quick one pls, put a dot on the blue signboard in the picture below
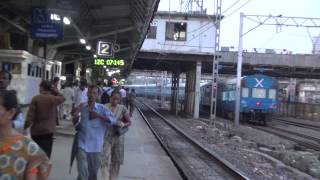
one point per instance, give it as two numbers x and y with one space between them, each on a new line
46 25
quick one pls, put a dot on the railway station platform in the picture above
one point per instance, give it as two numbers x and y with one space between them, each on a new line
144 157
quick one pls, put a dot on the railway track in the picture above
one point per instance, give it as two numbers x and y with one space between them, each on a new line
194 161
301 139
303 125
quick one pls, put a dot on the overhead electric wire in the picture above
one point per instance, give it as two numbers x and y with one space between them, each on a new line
230 6
238 8
220 20
186 7
210 18
269 40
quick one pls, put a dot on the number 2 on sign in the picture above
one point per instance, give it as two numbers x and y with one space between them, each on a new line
105 48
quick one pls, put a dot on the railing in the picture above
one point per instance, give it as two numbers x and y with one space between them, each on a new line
299 110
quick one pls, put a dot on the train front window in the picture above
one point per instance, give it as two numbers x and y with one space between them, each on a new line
245 92
258 93
272 94
225 96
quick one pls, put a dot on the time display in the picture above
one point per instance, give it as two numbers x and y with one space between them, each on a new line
109 62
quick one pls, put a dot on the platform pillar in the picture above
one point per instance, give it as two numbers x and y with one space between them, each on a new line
192 91
175 92
197 90
292 89
189 92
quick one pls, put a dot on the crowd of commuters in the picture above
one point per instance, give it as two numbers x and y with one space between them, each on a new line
100 114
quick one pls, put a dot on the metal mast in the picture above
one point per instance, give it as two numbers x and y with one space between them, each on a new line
215 64
190 6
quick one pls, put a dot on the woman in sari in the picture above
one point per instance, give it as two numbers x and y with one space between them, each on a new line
20 157
113 150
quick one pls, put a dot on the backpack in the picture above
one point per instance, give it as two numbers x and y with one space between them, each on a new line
105 98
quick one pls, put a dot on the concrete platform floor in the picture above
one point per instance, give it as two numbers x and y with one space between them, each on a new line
144 157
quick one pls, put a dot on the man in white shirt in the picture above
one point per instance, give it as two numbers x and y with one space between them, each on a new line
68 94
123 93
81 94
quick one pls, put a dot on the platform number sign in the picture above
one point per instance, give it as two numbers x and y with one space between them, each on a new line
105 49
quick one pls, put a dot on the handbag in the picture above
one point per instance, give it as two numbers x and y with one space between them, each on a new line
121 131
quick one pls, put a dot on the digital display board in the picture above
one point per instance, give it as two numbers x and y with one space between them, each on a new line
109 62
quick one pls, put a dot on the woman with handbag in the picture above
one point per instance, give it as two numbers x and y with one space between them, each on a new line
113 149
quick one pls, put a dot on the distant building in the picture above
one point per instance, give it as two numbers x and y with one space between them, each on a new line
316 45
181 33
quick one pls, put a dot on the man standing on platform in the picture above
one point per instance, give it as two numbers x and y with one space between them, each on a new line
91 121
42 116
123 93
80 95
67 93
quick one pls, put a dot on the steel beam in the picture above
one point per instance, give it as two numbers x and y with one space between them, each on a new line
284 20
73 24
14 24
77 60
130 28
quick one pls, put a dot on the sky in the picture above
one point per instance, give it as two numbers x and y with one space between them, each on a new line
295 39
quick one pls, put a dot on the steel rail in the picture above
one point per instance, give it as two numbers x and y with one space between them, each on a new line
306 142
307 126
225 165
297 134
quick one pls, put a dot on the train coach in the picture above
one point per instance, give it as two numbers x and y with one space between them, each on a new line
27 71
258 100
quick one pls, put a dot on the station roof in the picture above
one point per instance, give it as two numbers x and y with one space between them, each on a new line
124 22
186 15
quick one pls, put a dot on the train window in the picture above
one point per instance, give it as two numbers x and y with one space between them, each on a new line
232 95
245 92
40 70
258 93
272 94
228 87
33 71
29 69
57 69
14 68
225 96
176 31
37 71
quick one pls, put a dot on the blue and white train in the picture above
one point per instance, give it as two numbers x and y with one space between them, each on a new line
27 71
257 102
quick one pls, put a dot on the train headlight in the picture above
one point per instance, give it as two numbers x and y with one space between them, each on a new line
244 103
